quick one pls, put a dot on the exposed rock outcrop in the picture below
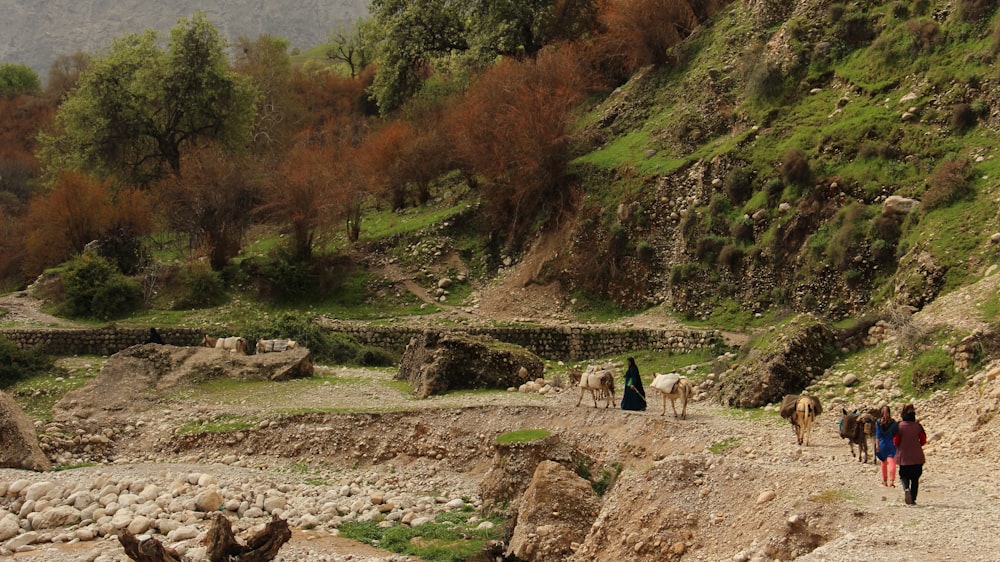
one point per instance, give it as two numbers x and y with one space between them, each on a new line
18 442
784 362
555 514
435 362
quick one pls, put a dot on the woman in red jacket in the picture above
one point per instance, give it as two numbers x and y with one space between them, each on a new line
910 439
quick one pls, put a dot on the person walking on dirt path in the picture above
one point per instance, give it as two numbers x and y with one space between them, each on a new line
885 449
910 440
633 396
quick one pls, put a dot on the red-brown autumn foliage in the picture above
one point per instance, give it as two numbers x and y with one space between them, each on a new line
212 203
636 33
403 157
21 118
77 210
512 130
309 192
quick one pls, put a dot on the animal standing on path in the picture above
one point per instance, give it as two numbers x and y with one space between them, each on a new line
600 382
673 386
801 411
856 426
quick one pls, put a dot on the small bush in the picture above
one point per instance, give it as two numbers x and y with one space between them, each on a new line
774 188
18 364
742 230
835 12
739 185
972 11
730 257
962 117
707 249
203 288
766 81
948 183
94 288
644 251
795 167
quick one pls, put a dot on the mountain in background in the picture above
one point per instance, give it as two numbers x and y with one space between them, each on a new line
35 32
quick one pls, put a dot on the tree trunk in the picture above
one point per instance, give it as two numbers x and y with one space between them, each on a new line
222 544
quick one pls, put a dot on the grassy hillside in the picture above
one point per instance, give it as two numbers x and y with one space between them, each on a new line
751 176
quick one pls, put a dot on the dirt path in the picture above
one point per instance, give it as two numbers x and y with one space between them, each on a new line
24 311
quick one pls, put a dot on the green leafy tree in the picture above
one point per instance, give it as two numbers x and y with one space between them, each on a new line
413 33
17 79
138 107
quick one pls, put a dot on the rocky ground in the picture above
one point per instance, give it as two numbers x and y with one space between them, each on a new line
721 485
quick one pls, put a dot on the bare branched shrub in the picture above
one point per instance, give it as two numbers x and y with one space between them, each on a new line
948 183
909 333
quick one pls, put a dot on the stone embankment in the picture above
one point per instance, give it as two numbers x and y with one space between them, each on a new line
570 343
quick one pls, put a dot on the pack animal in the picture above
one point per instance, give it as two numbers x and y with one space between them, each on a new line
276 345
673 386
601 384
232 344
801 411
856 427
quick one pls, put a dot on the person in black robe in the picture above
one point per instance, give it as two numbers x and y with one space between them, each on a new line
633 395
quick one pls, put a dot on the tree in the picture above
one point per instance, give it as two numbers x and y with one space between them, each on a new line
138 108
636 33
213 202
513 131
307 192
413 33
523 27
265 61
17 79
64 74
352 45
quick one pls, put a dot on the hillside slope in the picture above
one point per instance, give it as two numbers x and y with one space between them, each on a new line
753 174
35 33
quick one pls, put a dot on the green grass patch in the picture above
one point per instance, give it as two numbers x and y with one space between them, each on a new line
833 496
522 436
452 537
931 370
722 446
72 466
37 394
989 310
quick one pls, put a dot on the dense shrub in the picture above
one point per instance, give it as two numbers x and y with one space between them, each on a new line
971 11
742 229
948 183
774 188
739 185
765 81
730 257
203 288
286 277
94 288
17 364
962 117
795 167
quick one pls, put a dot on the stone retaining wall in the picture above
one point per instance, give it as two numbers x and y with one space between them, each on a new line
552 342
98 341
568 343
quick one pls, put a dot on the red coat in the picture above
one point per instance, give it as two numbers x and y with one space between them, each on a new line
909 440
